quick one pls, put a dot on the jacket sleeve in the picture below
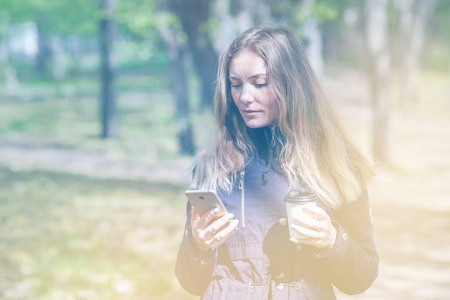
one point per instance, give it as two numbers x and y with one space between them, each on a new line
352 263
194 267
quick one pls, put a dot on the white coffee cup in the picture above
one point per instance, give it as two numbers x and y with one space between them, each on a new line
296 201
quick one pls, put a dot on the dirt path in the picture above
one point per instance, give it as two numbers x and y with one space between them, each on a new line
411 210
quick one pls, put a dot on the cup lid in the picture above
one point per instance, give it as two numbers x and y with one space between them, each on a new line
298 195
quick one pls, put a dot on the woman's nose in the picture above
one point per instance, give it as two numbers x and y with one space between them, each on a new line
246 95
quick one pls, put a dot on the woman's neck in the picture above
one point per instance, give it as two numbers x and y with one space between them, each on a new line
261 138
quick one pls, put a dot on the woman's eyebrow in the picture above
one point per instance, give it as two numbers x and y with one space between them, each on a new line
251 77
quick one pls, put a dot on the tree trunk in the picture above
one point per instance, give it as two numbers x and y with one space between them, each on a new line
448 90
193 15
413 19
59 58
108 96
227 25
244 18
379 71
179 72
177 54
251 12
314 38
43 58
11 81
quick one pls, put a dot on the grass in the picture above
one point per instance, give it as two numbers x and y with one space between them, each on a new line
146 117
74 237
147 125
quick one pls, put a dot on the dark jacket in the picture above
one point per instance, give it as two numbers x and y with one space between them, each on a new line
259 261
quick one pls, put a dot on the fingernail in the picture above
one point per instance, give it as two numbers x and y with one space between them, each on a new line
230 216
295 218
216 210
292 239
294 226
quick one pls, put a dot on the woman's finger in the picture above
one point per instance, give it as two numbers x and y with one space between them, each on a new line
194 215
317 213
224 233
310 220
323 236
310 223
219 223
309 233
210 233
204 220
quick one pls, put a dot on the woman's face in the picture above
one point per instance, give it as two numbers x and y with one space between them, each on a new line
251 92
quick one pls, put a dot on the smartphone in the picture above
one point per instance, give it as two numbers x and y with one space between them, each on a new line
203 201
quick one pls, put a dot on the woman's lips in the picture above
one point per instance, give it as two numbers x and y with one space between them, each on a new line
249 112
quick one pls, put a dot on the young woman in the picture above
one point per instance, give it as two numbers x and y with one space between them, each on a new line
276 133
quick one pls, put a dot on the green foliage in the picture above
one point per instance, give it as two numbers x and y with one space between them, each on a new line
440 23
62 17
138 16
142 18
321 11
296 13
140 21
211 27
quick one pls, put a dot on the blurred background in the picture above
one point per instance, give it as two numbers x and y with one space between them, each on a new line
102 104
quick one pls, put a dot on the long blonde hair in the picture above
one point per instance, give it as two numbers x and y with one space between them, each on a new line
315 150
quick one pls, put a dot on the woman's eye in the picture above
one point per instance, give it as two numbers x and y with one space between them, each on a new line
260 85
235 86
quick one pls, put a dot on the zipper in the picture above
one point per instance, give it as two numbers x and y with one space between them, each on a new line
272 151
242 189
272 140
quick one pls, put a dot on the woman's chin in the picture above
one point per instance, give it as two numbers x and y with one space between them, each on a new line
256 124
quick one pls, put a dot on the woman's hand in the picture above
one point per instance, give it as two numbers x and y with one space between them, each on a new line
315 224
209 231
